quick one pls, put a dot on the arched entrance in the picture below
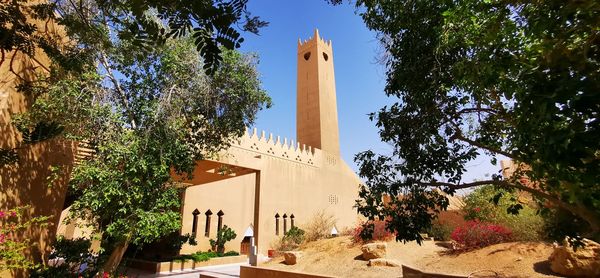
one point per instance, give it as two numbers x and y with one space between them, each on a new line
247 241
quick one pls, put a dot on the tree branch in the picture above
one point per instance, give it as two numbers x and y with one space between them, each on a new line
458 136
118 88
476 110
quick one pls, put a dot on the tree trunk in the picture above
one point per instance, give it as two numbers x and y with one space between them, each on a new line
115 257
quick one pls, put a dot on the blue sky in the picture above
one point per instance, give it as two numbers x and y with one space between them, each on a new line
359 78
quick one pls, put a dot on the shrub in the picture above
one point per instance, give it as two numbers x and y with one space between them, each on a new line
319 226
290 241
527 225
12 243
205 256
224 235
475 234
77 260
162 249
231 253
371 230
295 235
440 230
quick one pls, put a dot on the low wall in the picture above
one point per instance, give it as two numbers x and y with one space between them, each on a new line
258 272
165 267
409 272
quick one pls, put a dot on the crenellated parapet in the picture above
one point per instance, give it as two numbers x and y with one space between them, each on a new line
277 147
316 39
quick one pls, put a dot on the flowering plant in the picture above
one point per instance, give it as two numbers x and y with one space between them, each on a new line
12 245
371 230
476 234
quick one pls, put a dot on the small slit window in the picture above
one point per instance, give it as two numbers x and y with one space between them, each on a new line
220 220
325 56
306 56
292 220
277 224
285 223
208 213
195 222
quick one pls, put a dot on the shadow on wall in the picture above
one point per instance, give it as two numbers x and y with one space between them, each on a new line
26 183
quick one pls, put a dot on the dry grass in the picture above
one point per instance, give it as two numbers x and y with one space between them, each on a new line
319 226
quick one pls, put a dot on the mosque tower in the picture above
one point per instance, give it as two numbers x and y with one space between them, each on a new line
316 111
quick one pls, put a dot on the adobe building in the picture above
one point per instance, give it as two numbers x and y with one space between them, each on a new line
260 187
263 184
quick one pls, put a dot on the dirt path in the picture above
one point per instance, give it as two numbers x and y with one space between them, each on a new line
339 257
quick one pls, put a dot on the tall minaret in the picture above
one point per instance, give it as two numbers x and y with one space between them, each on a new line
316 111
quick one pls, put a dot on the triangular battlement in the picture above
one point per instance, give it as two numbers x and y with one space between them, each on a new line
314 40
279 147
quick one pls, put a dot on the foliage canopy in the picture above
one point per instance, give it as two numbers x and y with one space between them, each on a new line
509 79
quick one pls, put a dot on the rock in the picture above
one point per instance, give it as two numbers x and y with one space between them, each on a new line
585 262
291 257
374 250
519 259
383 262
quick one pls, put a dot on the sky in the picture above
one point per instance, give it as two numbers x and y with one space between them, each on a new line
360 80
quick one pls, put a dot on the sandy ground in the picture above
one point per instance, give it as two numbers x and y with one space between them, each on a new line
339 257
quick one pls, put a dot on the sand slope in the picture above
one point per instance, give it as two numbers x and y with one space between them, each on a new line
339 257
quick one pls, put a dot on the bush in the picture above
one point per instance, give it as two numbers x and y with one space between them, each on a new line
291 240
477 234
13 223
295 235
319 226
440 230
162 249
231 253
371 230
77 259
527 225
204 256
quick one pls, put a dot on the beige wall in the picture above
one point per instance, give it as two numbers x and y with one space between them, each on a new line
235 197
292 181
25 183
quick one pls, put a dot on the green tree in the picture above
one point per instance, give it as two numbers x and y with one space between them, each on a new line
92 25
151 86
509 79
146 114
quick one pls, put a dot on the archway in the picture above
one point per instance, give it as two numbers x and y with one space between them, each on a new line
247 241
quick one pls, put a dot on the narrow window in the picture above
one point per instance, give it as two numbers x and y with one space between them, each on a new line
195 222
284 224
208 213
292 220
277 224
220 221
325 56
